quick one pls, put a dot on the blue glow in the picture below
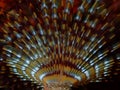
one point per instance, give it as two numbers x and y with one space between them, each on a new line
96 67
13 66
100 55
87 74
9 55
54 15
28 47
21 76
15 70
91 10
100 46
8 38
118 56
93 24
91 63
94 51
77 17
11 63
54 5
83 69
43 6
36 69
33 45
24 79
92 38
106 62
36 56
18 55
26 65
81 8
41 31
9 50
41 76
24 73
46 15
40 55
32 73
86 47
86 59
1 58
105 68
23 68
67 10
33 32
18 35
14 61
78 77
90 49
27 61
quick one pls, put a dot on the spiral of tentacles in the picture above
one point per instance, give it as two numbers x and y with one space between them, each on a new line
59 42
